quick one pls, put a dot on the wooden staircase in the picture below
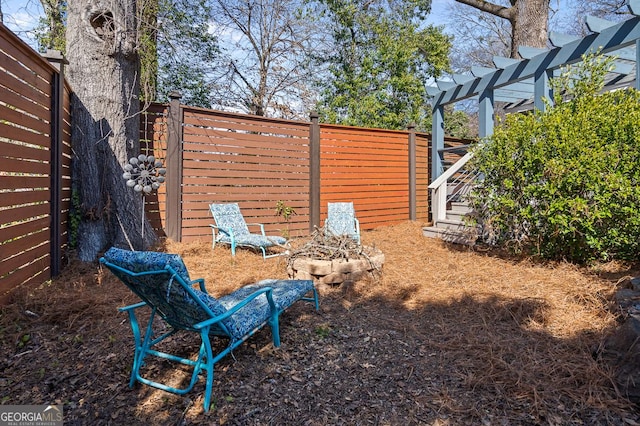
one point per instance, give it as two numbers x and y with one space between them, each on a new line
448 205
453 228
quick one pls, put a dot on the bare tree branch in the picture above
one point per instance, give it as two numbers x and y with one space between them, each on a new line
494 9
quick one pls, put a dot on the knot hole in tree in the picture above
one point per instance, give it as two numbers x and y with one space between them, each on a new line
103 24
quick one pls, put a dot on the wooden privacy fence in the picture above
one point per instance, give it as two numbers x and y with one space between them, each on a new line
211 156
35 164
217 157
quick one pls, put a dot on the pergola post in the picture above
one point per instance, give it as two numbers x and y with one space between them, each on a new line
437 141
541 90
486 121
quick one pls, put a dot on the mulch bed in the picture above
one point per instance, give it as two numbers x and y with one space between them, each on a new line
446 335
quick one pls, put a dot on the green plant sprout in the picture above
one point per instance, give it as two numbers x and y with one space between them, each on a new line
285 211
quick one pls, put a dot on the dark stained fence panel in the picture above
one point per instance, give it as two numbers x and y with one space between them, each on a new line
423 174
257 161
65 188
250 160
26 116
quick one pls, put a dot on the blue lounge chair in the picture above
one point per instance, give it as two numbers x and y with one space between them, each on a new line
162 282
231 228
341 220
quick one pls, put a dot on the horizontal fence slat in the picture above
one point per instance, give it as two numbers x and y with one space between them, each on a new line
196 136
22 197
23 135
14 99
24 182
21 119
16 150
20 166
24 88
35 273
20 213
11 257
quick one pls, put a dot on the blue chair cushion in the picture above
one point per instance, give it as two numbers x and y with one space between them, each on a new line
341 219
162 290
255 240
285 293
229 217
180 306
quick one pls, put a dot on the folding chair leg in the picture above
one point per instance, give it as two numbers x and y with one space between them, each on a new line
313 299
208 367
274 323
140 346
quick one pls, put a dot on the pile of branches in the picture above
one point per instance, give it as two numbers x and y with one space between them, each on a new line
325 245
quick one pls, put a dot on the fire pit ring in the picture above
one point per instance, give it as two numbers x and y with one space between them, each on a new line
336 271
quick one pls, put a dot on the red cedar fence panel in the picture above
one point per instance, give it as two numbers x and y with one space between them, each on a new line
257 161
153 141
369 167
254 161
28 129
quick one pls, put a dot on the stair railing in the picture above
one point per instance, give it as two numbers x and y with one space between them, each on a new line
453 184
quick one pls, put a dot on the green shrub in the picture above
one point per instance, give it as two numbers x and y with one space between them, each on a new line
565 183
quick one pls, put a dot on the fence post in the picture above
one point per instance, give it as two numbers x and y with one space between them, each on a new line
58 61
314 172
412 171
173 160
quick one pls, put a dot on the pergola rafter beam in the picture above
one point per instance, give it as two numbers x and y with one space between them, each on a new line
478 71
597 25
529 52
560 39
609 39
521 83
502 62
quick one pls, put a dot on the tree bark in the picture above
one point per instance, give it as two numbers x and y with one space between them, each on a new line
103 72
529 21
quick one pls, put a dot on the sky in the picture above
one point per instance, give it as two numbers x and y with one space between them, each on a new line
21 16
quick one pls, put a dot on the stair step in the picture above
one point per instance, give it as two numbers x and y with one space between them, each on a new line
464 236
461 206
457 215
450 224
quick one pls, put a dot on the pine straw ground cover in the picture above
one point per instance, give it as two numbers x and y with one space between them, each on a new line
446 336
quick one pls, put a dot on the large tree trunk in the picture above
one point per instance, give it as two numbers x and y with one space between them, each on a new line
530 25
529 21
103 72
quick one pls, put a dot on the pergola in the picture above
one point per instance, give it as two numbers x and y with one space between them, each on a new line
524 83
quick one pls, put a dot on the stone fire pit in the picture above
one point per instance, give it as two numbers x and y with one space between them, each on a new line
335 271
332 260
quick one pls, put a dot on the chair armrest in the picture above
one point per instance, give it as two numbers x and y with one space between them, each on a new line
200 282
229 232
132 307
265 290
261 227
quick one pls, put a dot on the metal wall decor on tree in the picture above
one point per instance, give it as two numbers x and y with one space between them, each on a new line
144 174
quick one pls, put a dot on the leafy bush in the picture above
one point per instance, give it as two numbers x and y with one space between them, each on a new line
565 183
